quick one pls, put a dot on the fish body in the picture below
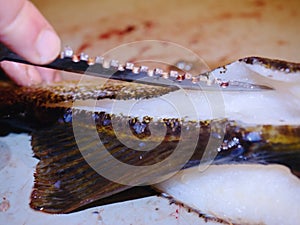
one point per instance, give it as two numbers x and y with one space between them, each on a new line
98 138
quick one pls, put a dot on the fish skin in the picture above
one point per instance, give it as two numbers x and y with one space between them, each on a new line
64 181
79 184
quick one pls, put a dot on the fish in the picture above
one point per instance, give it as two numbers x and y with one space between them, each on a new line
97 137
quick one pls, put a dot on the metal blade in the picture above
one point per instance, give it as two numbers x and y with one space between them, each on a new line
129 72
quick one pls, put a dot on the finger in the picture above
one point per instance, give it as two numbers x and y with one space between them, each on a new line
49 75
27 75
25 31
21 74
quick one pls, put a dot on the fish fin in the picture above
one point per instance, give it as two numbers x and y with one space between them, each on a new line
66 176
64 181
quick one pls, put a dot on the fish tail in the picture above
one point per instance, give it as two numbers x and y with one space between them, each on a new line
64 181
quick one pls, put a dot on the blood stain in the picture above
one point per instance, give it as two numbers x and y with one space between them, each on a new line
259 3
83 47
117 32
148 24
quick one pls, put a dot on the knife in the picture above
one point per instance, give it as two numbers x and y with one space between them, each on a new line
129 72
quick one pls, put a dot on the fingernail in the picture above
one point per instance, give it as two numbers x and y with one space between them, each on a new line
47 45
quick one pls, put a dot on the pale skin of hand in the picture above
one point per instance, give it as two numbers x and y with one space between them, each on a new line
24 30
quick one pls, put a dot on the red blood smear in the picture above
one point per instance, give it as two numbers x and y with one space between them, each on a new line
83 47
148 24
259 3
127 30
117 32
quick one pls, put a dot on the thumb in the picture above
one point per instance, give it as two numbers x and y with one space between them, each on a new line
26 31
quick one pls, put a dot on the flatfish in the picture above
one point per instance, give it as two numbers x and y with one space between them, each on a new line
97 137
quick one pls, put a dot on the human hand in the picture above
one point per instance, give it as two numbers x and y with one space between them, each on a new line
25 31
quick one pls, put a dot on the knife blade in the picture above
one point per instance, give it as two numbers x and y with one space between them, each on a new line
129 72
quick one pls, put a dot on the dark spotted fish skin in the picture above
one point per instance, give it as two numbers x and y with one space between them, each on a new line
64 181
